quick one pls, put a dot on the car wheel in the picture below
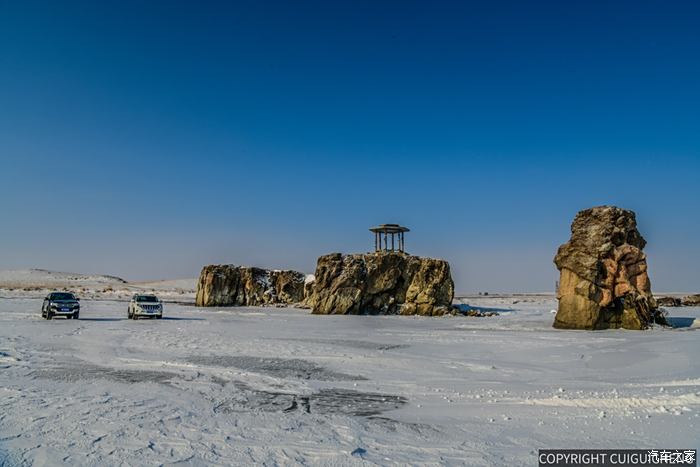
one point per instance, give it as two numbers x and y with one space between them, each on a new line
49 315
159 316
76 315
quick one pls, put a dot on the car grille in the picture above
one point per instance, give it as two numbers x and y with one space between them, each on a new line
150 307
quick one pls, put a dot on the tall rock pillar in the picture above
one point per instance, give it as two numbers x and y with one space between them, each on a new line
604 282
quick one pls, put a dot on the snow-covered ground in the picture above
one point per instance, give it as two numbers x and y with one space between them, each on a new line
244 386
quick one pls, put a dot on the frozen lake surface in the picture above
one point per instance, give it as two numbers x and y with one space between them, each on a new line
280 386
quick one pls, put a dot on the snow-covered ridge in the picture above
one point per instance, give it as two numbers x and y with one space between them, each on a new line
40 277
38 281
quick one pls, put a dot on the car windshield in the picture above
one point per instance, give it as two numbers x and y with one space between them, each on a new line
147 298
62 296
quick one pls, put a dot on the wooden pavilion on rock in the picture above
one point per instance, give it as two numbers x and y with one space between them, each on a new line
385 232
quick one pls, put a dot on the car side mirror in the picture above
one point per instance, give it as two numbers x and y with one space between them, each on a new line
77 299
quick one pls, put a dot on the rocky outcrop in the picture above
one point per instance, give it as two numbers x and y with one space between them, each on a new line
382 282
229 285
309 284
604 282
691 300
668 301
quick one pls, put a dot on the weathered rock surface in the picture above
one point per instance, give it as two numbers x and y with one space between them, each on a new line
309 284
668 301
691 300
229 285
382 282
604 282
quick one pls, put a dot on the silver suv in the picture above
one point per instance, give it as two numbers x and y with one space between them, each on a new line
60 304
145 305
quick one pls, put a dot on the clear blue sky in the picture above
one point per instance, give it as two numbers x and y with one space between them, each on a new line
148 140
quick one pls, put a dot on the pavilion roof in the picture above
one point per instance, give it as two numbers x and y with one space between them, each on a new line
389 228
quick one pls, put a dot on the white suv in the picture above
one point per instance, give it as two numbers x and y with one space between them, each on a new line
145 305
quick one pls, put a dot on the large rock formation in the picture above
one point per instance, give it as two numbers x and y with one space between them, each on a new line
604 282
382 282
229 285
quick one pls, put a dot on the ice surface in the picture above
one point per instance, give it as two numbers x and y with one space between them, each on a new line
242 386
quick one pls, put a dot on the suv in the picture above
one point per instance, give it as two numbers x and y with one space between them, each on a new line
144 305
60 304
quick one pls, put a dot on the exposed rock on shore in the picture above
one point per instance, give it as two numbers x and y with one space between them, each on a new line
229 285
381 282
668 301
691 300
604 282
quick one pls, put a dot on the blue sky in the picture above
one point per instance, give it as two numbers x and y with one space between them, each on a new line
148 140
